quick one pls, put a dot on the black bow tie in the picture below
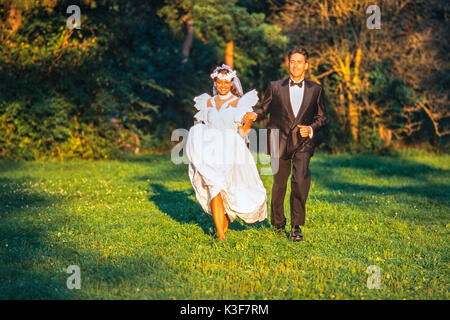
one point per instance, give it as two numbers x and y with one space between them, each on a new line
292 83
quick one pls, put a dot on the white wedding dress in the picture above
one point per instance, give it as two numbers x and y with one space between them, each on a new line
219 160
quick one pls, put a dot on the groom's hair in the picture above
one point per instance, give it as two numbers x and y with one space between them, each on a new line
300 50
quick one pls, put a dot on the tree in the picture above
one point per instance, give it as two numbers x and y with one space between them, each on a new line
240 37
383 84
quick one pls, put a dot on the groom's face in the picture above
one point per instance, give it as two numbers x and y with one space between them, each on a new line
298 65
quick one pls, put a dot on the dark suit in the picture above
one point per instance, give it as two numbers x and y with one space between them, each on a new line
292 147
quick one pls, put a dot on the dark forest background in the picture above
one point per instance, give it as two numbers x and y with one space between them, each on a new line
126 79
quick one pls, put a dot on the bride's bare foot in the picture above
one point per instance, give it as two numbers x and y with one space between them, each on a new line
222 237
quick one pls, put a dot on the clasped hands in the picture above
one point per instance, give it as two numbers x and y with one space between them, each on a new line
249 117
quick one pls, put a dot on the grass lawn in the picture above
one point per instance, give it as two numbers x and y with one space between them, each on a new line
136 231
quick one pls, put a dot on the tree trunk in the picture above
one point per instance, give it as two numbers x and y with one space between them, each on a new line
353 114
187 45
351 86
229 53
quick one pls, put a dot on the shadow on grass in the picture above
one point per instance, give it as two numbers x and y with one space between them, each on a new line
329 173
145 157
384 167
32 264
9 165
180 207
24 247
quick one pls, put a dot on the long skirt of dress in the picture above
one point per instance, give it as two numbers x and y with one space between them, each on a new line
219 161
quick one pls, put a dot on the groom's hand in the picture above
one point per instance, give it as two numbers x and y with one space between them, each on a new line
305 131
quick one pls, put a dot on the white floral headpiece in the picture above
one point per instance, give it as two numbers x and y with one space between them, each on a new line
229 76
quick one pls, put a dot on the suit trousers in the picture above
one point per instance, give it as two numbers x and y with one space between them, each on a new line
300 183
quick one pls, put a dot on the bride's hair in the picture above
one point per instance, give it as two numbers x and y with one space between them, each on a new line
233 89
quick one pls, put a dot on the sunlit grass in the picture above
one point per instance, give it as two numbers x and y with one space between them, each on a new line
137 232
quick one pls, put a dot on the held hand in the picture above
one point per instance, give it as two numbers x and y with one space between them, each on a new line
305 131
243 131
245 128
249 117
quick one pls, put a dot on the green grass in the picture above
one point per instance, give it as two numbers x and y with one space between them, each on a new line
135 229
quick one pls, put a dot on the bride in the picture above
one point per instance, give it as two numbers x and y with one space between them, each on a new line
222 170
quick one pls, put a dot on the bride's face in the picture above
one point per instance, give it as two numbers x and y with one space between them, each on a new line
223 86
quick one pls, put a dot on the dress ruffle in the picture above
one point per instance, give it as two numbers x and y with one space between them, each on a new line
201 105
245 104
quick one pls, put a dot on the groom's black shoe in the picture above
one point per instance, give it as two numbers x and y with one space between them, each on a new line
296 233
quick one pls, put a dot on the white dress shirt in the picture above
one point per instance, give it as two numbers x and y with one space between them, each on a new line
296 96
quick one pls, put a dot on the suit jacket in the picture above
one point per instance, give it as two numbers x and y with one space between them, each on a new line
312 113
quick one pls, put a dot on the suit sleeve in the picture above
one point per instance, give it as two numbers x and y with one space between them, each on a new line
320 119
262 111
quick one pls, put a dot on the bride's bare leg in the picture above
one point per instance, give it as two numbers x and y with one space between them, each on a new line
225 218
225 223
218 216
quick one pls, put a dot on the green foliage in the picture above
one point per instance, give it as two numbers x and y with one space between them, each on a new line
259 46
390 81
60 89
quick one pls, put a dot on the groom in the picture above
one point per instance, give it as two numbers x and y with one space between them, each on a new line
296 108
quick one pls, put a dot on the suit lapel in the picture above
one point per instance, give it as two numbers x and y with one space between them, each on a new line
307 95
287 98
